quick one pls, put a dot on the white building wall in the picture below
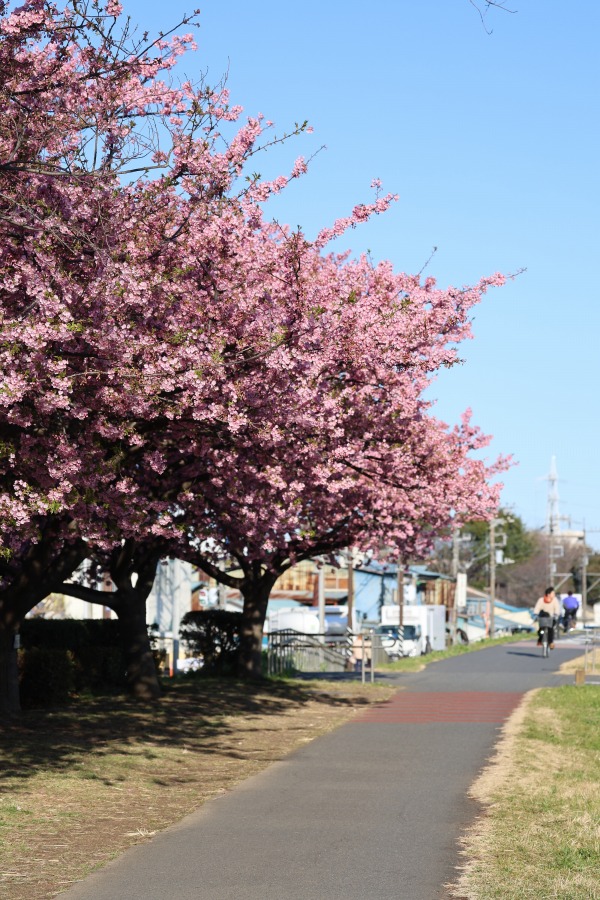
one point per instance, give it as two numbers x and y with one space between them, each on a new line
171 596
81 609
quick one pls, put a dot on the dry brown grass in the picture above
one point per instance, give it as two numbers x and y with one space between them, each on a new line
572 665
591 664
79 786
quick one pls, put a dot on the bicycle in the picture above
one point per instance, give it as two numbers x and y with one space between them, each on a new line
569 620
545 623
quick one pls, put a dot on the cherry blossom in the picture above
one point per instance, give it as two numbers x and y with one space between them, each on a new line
180 374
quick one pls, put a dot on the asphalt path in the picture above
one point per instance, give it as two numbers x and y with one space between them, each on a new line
374 809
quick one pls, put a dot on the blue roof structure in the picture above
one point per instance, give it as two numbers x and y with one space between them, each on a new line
509 608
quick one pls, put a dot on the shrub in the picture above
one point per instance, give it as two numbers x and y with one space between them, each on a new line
47 676
99 668
213 635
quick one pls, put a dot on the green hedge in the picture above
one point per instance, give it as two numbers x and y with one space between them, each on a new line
46 677
70 634
62 657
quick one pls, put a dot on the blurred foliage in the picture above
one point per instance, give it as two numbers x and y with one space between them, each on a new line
519 546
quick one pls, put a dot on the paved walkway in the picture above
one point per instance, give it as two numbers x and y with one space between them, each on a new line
372 810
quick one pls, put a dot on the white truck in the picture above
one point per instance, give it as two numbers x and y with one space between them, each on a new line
305 619
301 619
424 626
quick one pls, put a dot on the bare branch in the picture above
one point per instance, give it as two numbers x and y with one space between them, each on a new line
487 5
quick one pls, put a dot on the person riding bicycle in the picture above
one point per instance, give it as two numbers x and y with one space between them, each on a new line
570 606
547 609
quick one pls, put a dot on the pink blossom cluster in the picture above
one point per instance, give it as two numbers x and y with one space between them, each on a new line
175 367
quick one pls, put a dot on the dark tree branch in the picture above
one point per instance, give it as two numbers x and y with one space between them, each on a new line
218 574
487 5
90 595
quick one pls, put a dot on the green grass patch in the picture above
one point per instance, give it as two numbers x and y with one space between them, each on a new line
576 720
415 663
540 837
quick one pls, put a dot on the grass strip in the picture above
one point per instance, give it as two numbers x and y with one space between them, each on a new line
540 834
416 663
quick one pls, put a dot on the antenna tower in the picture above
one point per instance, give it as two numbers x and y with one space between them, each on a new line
552 515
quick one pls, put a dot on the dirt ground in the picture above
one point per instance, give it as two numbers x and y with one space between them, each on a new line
80 785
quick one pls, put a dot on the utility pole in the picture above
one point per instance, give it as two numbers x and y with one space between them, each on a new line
491 623
350 588
585 574
382 592
589 580
321 597
556 548
552 509
496 543
455 551
584 578
455 568
552 519
400 592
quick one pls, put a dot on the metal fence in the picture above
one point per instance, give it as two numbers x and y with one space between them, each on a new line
291 651
385 647
592 653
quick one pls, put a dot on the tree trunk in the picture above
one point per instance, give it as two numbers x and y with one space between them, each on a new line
141 674
256 597
9 677
129 603
38 572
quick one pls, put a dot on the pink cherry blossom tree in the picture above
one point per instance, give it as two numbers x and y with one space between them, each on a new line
121 207
93 213
179 374
334 442
351 454
330 440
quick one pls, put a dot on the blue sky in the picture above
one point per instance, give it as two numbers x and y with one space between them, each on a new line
491 142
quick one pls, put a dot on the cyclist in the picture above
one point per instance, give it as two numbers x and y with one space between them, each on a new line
570 605
547 606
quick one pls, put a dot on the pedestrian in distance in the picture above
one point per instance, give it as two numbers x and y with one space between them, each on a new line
361 652
547 609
